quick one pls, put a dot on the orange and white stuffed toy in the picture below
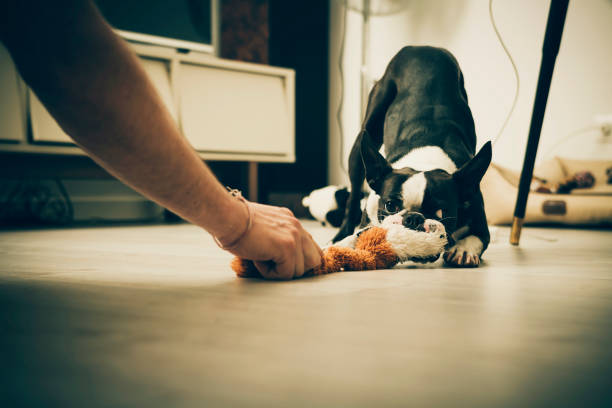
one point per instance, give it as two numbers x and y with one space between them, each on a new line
378 247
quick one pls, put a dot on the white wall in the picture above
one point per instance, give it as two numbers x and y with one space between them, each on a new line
581 86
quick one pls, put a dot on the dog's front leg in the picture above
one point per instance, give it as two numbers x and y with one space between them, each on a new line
373 123
465 253
353 205
470 245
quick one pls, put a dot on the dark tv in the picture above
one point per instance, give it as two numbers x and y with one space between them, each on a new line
183 24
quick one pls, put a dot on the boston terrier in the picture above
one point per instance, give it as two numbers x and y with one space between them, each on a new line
418 113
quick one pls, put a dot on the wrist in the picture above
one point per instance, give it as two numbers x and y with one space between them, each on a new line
237 221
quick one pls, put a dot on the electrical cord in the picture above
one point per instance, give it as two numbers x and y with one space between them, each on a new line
516 74
341 101
570 135
341 69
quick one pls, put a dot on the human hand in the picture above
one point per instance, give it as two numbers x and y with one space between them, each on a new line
277 243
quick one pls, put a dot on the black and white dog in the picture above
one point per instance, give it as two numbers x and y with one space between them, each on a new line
418 112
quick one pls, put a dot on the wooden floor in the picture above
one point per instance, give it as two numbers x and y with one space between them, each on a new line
152 316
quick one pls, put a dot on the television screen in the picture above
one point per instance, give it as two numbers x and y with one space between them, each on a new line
186 20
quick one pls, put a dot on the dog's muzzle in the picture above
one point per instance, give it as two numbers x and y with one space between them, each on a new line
416 221
413 220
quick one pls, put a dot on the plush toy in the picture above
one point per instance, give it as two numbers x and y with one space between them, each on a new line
581 179
327 205
379 247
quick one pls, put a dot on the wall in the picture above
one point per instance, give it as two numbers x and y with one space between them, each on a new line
581 86
299 40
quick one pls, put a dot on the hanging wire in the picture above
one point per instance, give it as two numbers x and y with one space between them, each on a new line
516 74
341 69
341 101
570 135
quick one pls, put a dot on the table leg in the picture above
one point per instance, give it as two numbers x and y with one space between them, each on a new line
550 49
253 185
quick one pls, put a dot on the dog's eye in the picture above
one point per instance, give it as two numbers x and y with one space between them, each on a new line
393 206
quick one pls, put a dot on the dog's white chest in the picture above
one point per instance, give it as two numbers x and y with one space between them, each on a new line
426 158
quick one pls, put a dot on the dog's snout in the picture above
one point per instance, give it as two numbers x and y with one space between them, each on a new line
431 226
413 220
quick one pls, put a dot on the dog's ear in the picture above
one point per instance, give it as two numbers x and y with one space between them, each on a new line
376 167
468 177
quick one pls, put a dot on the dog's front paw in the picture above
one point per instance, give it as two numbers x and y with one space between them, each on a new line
465 253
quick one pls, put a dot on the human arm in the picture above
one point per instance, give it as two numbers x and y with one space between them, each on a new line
98 92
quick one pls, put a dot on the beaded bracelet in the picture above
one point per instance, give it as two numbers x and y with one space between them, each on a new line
236 193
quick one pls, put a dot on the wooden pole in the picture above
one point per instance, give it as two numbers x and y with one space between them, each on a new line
253 184
550 49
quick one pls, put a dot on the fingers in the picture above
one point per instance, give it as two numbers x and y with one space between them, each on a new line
265 268
268 269
312 252
299 253
287 257
278 244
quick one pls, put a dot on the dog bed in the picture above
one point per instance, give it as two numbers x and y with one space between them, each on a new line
582 206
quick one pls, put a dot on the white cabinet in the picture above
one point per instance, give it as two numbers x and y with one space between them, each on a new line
158 71
228 110
46 130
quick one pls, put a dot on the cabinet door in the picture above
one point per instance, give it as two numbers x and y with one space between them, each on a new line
228 110
46 129
159 73
12 108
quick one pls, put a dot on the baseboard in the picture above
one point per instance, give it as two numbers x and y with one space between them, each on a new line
47 202
115 208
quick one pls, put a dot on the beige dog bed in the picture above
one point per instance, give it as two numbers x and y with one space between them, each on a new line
584 206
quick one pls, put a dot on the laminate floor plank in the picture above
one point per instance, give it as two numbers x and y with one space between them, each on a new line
153 316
